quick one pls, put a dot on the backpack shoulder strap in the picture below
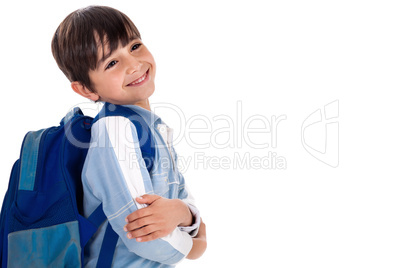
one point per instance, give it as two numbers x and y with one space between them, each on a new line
145 137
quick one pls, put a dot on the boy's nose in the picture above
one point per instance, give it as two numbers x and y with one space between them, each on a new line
133 65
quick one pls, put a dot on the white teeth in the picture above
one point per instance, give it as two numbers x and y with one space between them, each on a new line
141 79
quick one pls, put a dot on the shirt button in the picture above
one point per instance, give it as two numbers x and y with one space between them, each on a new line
162 128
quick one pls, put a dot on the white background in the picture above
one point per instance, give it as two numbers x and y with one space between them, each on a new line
274 58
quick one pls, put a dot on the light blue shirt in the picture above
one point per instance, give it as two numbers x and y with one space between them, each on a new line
115 173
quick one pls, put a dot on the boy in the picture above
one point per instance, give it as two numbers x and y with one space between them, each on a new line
100 51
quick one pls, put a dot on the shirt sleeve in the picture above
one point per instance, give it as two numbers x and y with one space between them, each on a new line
116 174
186 196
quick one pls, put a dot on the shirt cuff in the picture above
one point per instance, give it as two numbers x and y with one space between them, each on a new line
193 229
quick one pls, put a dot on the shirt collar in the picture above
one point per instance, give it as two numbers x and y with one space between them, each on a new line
150 117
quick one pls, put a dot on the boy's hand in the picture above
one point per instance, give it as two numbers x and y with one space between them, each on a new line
157 220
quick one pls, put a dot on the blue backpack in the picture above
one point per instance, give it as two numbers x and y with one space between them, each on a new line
41 217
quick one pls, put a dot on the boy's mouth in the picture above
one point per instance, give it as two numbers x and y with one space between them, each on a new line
140 81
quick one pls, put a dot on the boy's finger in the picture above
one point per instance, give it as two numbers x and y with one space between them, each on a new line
144 231
147 198
140 223
138 214
150 237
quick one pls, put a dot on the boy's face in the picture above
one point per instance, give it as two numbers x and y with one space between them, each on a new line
126 76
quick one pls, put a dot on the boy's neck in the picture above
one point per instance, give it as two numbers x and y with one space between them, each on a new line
144 104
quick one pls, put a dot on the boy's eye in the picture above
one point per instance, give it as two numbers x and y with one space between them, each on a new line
135 46
111 64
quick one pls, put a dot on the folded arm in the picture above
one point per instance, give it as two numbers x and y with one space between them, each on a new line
158 219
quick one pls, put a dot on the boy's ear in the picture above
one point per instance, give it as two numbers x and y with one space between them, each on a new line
84 91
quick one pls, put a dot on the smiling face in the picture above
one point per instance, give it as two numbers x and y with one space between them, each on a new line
125 76
100 51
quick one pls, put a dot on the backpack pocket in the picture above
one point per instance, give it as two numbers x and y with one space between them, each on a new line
53 246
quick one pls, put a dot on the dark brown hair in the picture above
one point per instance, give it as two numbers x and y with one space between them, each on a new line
77 39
